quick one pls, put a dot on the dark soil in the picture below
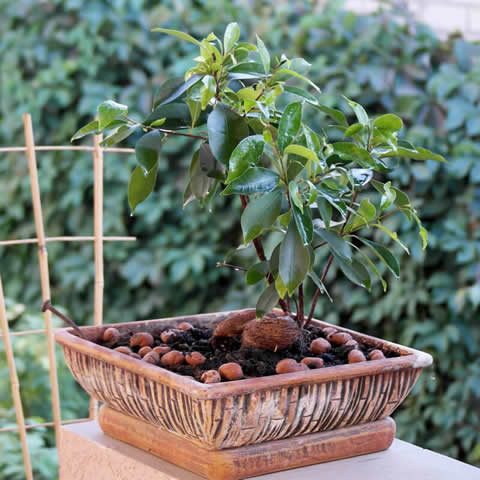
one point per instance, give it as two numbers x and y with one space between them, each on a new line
254 362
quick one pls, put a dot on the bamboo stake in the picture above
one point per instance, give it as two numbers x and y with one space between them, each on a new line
24 332
6 243
17 400
43 264
67 148
98 244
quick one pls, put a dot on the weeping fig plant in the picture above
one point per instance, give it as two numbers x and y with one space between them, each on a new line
316 191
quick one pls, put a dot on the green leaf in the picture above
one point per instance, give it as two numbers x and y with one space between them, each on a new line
318 282
361 176
289 124
199 183
392 235
300 92
89 128
388 123
372 266
245 154
176 33
176 115
353 129
354 271
325 210
264 55
173 89
140 186
334 114
294 261
383 254
280 286
365 213
297 75
158 123
209 165
208 90
422 230
195 110
121 134
257 272
254 180
260 214
109 111
231 36
275 260
417 154
225 130
268 299
336 243
147 150
359 111
352 153
295 196
302 151
388 196
284 219
303 220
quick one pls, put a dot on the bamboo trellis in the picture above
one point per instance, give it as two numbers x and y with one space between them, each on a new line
42 240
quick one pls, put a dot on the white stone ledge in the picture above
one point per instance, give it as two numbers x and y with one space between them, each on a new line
85 453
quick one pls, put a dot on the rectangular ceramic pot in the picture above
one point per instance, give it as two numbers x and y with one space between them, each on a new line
243 412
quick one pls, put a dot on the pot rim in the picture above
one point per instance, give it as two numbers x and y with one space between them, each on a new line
409 358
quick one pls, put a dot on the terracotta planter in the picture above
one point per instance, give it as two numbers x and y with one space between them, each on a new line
245 412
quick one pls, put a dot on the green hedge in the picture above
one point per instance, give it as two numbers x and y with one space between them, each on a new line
61 58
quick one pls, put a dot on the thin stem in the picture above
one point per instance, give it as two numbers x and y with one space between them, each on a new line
168 132
300 317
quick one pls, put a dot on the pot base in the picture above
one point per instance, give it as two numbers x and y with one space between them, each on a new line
251 460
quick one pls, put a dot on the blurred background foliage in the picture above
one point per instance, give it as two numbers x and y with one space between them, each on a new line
60 58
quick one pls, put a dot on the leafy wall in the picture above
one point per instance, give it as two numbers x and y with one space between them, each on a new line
61 58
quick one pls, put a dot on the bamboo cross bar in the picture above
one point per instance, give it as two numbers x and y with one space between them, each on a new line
6 243
17 400
67 148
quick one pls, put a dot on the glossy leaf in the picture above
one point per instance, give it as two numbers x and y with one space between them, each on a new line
354 271
260 214
359 111
231 36
366 213
353 153
253 180
147 150
264 55
334 114
297 75
302 151
392 235
417 154
383 254
208 164
300 92
176 115
289 125
294 260
257 272
89 128
108 111
372 266
267 300
140 186
178 34
303 220
388 123
245 154
336 243
361 176
225 130
173 89
122 133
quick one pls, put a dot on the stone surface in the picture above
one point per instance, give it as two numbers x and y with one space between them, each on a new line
87 454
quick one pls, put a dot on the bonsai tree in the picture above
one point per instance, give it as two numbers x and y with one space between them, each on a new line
317 189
